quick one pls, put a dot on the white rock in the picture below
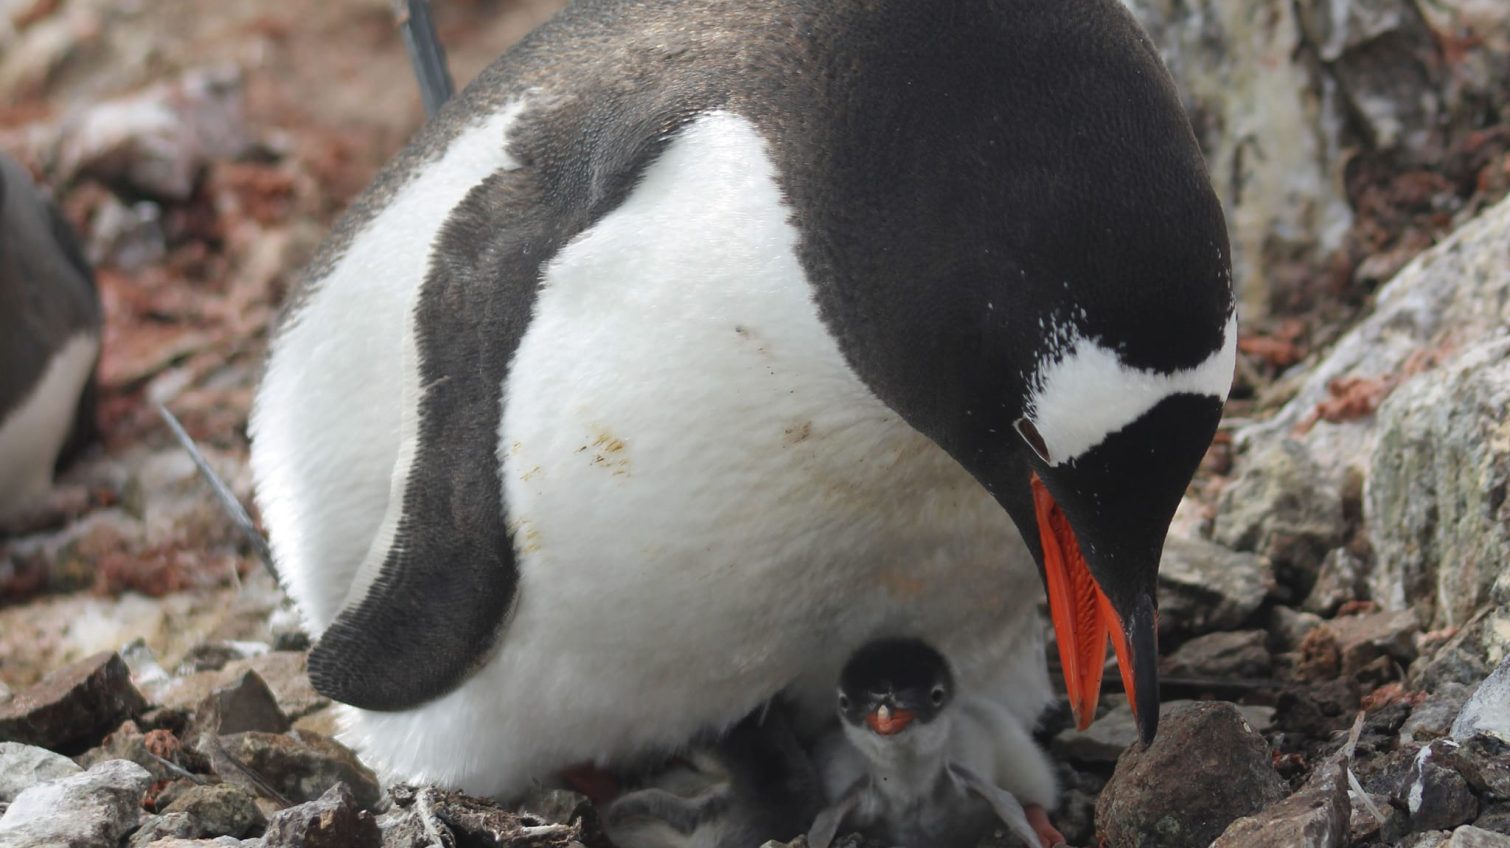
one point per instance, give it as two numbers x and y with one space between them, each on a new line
1488 710
91 809
24 766
1469 836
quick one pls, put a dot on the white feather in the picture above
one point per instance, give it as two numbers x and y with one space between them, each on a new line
1085 392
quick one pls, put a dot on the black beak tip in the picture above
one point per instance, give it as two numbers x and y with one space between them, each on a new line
1145 649
1148 722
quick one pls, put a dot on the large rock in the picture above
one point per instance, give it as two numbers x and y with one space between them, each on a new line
24 766
75 704
1206 768
1221 656
301 769
219 809
1205 587
1269 140
1282 507
88 810
1435 499
1317 816
1488 710
334 820
1445 299
1435 794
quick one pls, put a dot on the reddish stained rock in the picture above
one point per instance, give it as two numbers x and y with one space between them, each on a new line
74 706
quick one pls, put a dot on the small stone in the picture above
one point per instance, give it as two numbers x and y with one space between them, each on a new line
1460 658
1495 817
1316 816
1469 836
213 656
73 706
146 672
128 742
1101 743
284 672
1342 578
1436 796
333 820
156 829
1282 507
24 766
1484 761
1225 772
1290 627
1433 717
302 769
1366 637
1428 839
1365 828
1488 710
245 704
1221 656
94 808
1205 587
220 809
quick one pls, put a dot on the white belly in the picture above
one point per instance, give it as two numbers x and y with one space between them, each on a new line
707 504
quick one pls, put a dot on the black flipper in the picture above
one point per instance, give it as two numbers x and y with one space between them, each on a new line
439 599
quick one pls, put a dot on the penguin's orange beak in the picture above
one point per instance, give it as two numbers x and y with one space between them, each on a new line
1083 617
887 721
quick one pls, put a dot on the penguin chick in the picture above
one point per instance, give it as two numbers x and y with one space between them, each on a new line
917 765
49 344
755 784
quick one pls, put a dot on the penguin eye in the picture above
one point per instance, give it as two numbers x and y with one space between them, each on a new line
937 696
1034 439
843 701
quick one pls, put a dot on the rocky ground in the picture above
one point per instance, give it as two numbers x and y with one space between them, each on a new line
1333 597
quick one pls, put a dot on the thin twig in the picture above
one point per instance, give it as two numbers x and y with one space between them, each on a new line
223 493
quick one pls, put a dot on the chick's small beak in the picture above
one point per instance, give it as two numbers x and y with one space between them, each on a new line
887 721
1084 619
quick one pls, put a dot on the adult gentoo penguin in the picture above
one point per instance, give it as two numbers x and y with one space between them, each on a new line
698 343
49 344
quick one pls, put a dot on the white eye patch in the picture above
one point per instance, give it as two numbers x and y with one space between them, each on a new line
1085 393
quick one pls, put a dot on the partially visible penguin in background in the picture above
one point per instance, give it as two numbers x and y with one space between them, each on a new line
49 344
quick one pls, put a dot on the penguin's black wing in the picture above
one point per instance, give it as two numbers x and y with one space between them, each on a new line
436 602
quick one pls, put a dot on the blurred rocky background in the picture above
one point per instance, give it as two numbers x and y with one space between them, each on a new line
1334 594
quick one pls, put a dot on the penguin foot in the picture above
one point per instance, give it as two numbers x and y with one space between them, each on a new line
1048 835
599 786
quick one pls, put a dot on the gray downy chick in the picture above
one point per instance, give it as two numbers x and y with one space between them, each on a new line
914 765
755 784
49 344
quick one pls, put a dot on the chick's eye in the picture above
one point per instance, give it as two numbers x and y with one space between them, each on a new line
937 696
843 701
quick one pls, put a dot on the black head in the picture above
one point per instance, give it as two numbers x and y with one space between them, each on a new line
1022 255
889 684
